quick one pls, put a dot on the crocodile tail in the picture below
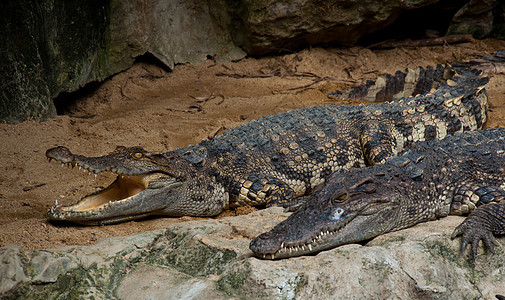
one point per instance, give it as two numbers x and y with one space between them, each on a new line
494 64
411 82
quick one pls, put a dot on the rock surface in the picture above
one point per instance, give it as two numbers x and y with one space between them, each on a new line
479 18
49 47
269 25
210 259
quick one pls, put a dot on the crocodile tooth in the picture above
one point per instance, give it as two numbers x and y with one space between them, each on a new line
272 256
56 202
96 175
282 245
62 165
310 247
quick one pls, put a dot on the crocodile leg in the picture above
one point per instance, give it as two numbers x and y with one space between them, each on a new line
483 201
260 189
481 225
467 196
378 142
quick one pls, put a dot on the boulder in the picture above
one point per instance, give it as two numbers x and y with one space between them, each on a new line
273 26
210 259
50 47
476 18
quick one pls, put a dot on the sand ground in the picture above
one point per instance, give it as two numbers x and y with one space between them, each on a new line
161 110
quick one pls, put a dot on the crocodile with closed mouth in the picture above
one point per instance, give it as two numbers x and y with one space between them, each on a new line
461 174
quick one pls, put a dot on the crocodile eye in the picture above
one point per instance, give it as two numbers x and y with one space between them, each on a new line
340 198
137 155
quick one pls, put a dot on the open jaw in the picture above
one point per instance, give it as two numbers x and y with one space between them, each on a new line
128 197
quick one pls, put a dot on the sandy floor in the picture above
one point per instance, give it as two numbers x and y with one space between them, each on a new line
162 110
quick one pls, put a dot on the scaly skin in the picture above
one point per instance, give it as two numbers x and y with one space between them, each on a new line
460 174
276 158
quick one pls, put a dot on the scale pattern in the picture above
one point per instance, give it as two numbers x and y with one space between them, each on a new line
461 174
277 158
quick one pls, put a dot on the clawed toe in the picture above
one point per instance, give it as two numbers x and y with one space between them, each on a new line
473 236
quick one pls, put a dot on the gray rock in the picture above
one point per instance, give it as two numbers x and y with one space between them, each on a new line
155 282
46 267
475 18
49 47
210 259
268 26
11 268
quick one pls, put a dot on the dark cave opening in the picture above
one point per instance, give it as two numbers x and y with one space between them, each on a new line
428 21
65 102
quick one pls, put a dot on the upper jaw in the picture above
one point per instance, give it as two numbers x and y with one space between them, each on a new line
119 161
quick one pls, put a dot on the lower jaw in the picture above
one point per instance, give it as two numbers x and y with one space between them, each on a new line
97 221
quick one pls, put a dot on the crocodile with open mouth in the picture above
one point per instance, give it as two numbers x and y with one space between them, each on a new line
460 174
277 158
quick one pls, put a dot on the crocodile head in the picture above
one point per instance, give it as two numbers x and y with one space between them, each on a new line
146 183
348 209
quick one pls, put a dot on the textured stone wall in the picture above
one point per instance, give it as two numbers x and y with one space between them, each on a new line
58 46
